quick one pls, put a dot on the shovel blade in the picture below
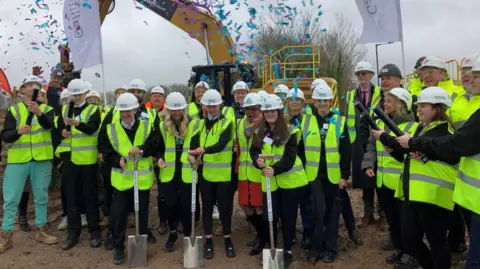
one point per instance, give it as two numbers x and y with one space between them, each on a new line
273 259
192 253
137 251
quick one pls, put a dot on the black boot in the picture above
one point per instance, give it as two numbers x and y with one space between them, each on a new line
95 240
395 257
23 223
119 256
170 244
208 252
287 259
151 238
109 240
306 238
229 249
22 212
258 247
180 227
72 240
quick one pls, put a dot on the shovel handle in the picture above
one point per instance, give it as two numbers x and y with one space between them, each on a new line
266 156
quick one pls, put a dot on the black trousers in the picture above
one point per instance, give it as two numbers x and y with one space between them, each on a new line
172 201
325 215
84 178
347 212
456 231
393 211
106 171
223 193
290 200
433 221
122 202
161 197
185 206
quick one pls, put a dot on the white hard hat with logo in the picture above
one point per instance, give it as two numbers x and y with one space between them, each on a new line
94 93
175 101
322 92
240 85
434 95
263 94
364 66
211 98
88 85
126 102
252 99
317 82
157 89
64 94
123 87
433 61
470 60
272 102
77 87
296 93
281 88
137 84
32 79
202 84
403 95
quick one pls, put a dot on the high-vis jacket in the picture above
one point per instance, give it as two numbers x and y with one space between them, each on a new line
351 97
246 169
462 108
170 153
193 128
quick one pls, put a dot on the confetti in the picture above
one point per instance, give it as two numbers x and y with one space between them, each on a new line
87 5
145 22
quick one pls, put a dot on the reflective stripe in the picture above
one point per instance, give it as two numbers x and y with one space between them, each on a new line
293 170
39 131
130 172
226 111
375 101
317 149
244 149
82 135
170 163
475 157
84 148
195 127
116 145
459 124
169 149
337 129
217 165
311 163
329 165
305 129
388 170
469 180
89 113
19 117
408 127
245 163
432 180
28 145
64 144
333 165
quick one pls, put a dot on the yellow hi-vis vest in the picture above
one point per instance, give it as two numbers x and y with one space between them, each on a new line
216 167
294 178
467 186
432 182
192 111
313 146
193 128
37 145
152 115
83 147
351 112
389 169
246 169
462 108
123 179
167 173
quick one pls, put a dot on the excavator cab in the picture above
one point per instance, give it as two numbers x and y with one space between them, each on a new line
222 77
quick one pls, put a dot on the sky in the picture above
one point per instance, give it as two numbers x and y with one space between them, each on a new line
139 44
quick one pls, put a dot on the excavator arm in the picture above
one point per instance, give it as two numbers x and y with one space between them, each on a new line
198 22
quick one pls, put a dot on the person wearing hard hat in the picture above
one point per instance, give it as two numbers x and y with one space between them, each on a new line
327 172
426 186
129 140
249 178
94 98
79 153
263 94
378 163
390 78
30 154
281 91
194 109
117 92
213 143
416 84
369 95
54 89
289 181
157 99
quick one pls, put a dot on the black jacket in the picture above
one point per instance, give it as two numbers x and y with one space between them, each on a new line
53 98
361 124
238 111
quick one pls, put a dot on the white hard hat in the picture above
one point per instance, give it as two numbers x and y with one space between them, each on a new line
64 94
240 85
281 88
175 101
476 66
137 84
433 61
470 60
126 101
157 89
403 95
296 93
252 99
272 102
211 98
364 66
123 87
263 94
93 93
88 85
322 92
202 84
76 87
434 95
317 82
32 79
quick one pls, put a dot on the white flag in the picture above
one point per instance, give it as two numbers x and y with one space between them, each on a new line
81 22
382 21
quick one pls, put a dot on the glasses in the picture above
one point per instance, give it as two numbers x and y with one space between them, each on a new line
359 74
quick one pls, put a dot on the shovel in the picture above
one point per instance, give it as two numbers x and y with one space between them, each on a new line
272 258
137 244
192 246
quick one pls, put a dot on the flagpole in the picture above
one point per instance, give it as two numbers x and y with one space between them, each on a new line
400 25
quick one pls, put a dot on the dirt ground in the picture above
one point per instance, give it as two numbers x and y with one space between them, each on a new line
26 253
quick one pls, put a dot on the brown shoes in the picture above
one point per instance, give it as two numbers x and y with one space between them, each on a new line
43 237
5 240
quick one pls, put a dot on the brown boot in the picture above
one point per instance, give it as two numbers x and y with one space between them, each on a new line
366 220
5 241
382 223
45 238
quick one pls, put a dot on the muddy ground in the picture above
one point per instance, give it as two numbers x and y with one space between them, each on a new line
26 253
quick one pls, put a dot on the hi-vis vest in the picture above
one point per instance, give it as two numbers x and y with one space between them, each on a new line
462 108
216 167
83 147
294 178
167 173
123 179
389 169
192 112
150 118
35 146
351 113
193 128
313 146
432 182
246 169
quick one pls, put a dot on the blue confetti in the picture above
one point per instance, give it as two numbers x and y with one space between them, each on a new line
324 30
87 5
320 13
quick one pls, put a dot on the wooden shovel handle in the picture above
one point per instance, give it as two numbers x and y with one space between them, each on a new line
266 156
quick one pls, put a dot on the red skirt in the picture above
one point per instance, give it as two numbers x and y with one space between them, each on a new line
250 193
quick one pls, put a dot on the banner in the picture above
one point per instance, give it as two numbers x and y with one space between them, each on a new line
382 21
4 85
82 26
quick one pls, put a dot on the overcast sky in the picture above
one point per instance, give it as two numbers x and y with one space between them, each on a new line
139 44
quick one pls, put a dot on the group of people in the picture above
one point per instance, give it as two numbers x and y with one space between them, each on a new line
309 153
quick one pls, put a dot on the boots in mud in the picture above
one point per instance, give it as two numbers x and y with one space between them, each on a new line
5 241
43 237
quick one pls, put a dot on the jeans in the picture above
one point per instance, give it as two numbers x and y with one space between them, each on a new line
473 256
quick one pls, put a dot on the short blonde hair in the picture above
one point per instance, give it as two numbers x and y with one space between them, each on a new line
400 106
